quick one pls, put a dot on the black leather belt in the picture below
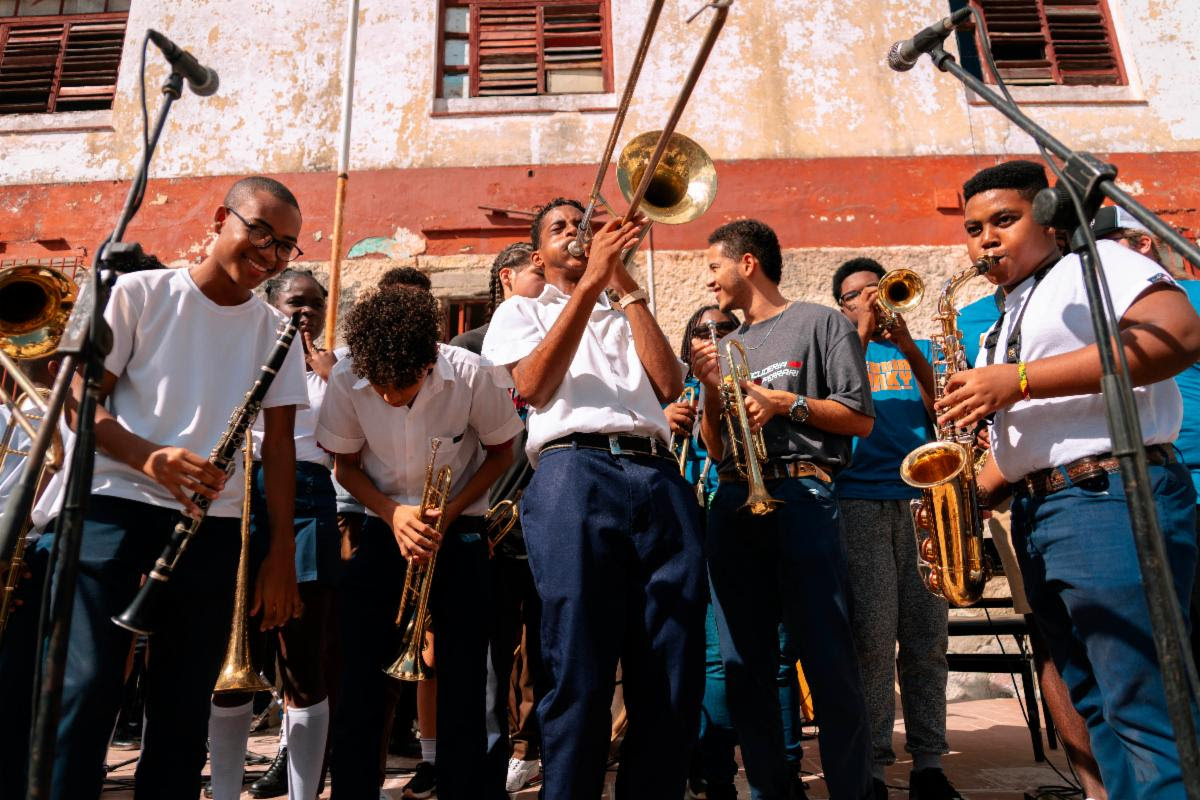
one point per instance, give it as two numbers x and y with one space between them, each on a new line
1054 479
619 444
774 470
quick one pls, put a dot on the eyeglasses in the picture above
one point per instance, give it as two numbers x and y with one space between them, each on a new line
701 331
848 296
262 238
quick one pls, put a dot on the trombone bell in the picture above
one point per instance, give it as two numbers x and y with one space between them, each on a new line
35 303
684 184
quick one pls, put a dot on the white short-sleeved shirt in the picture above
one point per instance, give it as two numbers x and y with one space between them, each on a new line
459 403
183 364
1049 432
307 448
50 502
605 389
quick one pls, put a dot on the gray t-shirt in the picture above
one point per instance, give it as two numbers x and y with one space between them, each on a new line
814 351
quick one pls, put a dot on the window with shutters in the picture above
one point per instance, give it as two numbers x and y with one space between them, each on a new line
60 55
1047 43
491 48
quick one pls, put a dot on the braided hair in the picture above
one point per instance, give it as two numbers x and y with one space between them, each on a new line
515 257
274 286
685 347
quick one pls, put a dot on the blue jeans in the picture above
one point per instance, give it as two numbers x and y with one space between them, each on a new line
615 550
788 567
1082 578
121 540
368 598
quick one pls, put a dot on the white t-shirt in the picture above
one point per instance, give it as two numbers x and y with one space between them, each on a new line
1049 432
183 364
605 388
13 466
307 448
459 403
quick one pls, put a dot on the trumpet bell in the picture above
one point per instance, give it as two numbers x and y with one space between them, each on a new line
35 303
684 184
901 290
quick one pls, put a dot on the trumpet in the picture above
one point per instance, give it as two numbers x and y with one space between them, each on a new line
501 519
664 173
900 291
690 396
749 448
413 617
237 672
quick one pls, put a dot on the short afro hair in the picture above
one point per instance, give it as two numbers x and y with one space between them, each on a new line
392 334
258 183
849 268
535 228
405 276
756 238
1025 177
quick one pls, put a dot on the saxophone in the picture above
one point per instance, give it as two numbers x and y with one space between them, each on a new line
946 517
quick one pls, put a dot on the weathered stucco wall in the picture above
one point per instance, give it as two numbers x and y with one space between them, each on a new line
788 79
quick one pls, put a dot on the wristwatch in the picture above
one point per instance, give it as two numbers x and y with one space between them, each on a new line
799 410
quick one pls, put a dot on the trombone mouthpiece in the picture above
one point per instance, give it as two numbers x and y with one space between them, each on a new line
575 249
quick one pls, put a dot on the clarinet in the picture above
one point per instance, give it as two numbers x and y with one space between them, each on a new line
140 616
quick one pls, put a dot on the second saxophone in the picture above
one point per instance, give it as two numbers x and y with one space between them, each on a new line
946 517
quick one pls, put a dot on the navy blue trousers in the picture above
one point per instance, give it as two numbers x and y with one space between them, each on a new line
614 545
788 567
368 599
18 656
1083 581
121 540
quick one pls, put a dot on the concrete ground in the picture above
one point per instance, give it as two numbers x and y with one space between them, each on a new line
990 759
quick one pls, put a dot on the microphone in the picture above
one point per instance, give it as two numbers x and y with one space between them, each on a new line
202 80
904 55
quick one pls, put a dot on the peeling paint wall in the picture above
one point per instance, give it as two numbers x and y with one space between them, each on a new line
788 79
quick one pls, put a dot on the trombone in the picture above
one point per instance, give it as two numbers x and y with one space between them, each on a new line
668 173
413 617
749 448
501 519
900 291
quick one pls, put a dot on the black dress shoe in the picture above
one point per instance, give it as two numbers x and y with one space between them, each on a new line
274 782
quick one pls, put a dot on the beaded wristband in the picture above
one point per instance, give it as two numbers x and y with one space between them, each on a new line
1023 377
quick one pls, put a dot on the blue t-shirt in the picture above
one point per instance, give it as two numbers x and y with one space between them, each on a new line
901 424
974 321
1188 382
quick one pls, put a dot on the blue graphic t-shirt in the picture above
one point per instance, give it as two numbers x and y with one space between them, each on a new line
974 321
1188 382
901 424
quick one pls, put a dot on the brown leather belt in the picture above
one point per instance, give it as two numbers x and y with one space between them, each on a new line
773 470
1054 479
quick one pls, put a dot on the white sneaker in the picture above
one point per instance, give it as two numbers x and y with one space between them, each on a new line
521 774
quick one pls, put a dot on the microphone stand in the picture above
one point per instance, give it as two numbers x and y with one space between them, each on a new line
86 341
1087 181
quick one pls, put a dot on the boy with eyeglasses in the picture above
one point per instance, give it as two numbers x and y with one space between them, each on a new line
187 345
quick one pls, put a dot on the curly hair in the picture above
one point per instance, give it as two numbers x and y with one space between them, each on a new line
405 276
1027 178
849 268
756 238
514 257
392 334
535 228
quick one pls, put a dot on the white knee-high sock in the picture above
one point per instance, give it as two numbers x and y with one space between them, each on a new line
306 731
228 730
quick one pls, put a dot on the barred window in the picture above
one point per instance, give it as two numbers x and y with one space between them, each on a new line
523 47
60 55
1046 42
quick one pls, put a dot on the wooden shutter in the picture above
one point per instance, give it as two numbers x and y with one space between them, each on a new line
505 43
573 48
59 64
28 66
89 67
1039 42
